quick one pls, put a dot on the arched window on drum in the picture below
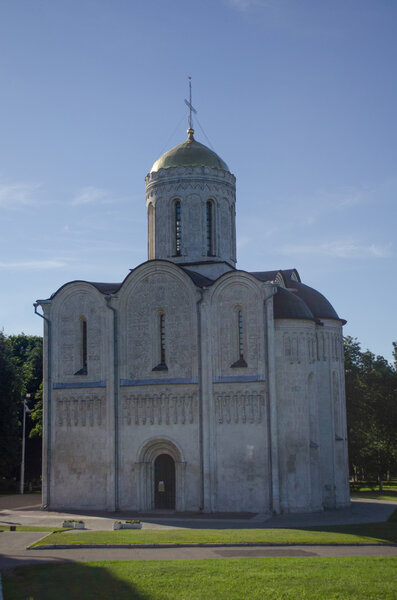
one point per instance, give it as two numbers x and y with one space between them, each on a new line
177 228
209 228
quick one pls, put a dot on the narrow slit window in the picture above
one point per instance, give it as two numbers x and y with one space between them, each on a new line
160 344
84 342
151 231
162 339
82 348
240 362
209 228
240 334
178 228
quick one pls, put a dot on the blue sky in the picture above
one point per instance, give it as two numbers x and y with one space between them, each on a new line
297 96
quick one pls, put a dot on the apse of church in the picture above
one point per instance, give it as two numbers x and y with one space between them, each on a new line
191 385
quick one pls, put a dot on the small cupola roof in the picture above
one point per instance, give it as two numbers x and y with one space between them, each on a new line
189 154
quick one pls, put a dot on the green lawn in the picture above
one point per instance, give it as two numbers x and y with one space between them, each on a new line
388 495
229 579
368 489
366 533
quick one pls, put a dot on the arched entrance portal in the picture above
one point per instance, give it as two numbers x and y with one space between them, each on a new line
164 482
160 470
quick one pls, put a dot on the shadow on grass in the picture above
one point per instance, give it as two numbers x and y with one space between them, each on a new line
387 531
66 581
374 494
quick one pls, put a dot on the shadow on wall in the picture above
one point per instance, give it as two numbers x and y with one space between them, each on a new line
70 580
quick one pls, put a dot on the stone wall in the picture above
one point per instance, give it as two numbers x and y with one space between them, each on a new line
275 419
81 429
311 410
193 187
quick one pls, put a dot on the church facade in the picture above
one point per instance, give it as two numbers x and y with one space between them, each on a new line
192 385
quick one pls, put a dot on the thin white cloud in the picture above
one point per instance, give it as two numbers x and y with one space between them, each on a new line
91 195
346 197
33 264
244 5
340 249
17 195
353 196
312 207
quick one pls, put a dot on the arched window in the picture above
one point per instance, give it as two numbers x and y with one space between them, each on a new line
209 220
84 341
151 231
82 352
162 338
160 344
178 228
240 341
240 334
233 231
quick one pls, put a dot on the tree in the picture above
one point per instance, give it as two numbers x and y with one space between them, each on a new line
10 395
381 402
28 354
37 415
371 402
355 408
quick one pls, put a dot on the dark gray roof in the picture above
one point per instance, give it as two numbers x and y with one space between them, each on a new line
289 272
288 305
316 302
296 301
271 275
105 288
198 279
266 275
284 306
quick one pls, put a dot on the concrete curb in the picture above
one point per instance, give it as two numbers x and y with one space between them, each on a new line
199 545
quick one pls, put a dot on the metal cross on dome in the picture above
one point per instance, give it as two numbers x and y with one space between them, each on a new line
189 104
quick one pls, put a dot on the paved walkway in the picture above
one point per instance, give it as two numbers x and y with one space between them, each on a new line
13 552
25 510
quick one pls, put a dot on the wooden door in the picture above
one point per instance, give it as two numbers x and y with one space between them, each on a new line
164 482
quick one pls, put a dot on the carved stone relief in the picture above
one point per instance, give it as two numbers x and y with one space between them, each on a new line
235 297
154 293
321 339
311 348
159 409
80 410
292 347
77 306
336 346
241 407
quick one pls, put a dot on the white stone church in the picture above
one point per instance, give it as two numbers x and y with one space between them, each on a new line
192 385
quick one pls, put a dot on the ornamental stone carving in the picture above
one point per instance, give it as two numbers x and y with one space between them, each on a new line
159 409
80 410
239 407
193 187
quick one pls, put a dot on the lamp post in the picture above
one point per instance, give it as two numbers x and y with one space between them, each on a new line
25 410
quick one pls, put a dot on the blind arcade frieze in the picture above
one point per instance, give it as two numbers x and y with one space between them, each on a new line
239 408
80 410
161 409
